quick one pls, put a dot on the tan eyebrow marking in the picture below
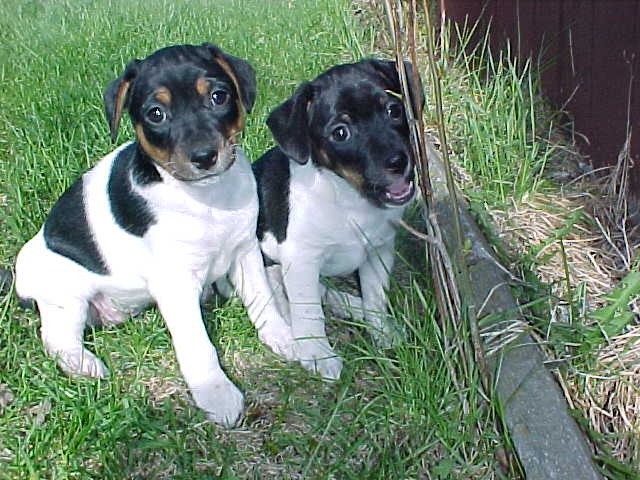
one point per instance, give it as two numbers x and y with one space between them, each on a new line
163 95
160 155
202 86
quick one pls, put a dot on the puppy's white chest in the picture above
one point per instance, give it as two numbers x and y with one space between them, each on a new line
339 226
354 238
206 234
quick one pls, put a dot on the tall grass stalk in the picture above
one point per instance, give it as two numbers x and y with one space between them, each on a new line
495 114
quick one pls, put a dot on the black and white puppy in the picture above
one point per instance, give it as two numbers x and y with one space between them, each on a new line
158 220
330 194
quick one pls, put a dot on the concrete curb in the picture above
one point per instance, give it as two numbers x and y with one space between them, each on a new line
547 439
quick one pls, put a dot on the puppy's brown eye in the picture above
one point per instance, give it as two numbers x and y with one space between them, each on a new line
340 134
394 110
156 115
219 97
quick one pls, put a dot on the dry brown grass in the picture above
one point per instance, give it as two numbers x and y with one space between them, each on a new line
599 249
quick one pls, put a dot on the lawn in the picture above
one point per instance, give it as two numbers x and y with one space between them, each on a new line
412 412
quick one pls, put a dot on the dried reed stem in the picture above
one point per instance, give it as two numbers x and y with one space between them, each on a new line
447 272
459 261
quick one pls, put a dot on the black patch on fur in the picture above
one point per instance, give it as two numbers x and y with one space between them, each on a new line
131 211
268 261
273 176
67 231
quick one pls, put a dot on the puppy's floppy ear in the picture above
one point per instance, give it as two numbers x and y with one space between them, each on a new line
388 73
116 96
289 124
241 72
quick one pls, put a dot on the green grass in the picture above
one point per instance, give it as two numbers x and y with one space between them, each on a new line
396 414
495 117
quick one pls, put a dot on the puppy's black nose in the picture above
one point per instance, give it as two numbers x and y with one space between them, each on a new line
397 163
204 158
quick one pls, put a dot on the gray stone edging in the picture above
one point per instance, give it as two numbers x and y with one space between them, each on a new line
547 439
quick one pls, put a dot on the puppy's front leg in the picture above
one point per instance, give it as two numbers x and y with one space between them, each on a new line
374 283
307 320
179 302
249 277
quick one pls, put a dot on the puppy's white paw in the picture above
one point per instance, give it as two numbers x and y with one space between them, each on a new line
328 368
80 361
277 336
318 357
220 399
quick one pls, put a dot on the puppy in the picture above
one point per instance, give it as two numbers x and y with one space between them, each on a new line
158 220
330 193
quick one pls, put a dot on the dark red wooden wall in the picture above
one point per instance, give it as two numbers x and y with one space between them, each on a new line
591 49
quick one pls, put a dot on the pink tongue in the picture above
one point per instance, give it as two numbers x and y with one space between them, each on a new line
398 187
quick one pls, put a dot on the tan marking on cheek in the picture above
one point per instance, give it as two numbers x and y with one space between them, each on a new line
351 176
323 159
163 95
202 86
159 155
234 129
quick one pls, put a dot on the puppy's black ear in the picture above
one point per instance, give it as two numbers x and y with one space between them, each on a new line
241 73
289 124
388 73
116 96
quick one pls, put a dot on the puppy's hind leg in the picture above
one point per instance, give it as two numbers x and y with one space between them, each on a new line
62 330
342 304
103 313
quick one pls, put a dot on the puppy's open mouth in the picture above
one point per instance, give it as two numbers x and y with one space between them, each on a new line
400 191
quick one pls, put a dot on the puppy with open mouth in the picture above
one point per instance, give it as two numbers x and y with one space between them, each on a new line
330 194
157 221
